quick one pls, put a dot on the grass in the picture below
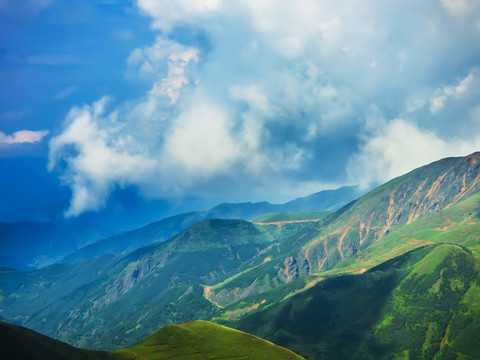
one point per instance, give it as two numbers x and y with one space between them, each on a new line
204 340
197 340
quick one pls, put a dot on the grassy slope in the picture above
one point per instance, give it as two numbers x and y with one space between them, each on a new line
421 305
205 340
458 224
192 341
391 206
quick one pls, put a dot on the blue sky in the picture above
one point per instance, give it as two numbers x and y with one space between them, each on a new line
150 104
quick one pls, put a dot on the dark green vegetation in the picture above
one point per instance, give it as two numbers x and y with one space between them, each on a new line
395 272
421 305
193 341
22 344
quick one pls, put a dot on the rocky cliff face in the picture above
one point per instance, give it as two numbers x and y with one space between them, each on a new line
399 202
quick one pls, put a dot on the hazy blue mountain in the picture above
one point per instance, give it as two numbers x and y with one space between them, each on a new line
167 228
30 244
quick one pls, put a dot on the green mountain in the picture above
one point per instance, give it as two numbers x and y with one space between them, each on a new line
193 341
422 305
84 304
428 205
228 270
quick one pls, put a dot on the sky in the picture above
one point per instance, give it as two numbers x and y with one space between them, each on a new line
156 106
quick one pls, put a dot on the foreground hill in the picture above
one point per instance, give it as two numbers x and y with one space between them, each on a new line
194 341
422 305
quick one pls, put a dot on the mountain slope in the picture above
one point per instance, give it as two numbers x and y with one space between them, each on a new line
194 341
399 202
440 199
23 344
421 305
206 340
28 244
158 285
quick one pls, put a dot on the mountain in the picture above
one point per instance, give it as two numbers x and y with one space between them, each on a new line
195 341
28 244
167 228
24 344
162 282
320 201
226 270
131 240
16 241
421 305
428 205
206 340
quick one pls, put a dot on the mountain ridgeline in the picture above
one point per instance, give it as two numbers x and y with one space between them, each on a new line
166 228
393 274
193 341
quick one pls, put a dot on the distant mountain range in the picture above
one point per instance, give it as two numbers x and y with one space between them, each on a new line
167 228
393 274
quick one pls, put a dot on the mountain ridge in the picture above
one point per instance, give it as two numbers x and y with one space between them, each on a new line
229 269
166 228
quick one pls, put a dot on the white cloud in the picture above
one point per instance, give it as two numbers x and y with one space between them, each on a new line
251 93
98 156
100 150
460 7
201 143
399 147
22 136
455 91
166 12
150 61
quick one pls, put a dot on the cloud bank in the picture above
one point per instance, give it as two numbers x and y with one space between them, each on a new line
258 100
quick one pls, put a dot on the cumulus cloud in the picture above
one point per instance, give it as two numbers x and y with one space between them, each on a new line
166 13
22 136
455 91
265 95
150 61
461 7
399 147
